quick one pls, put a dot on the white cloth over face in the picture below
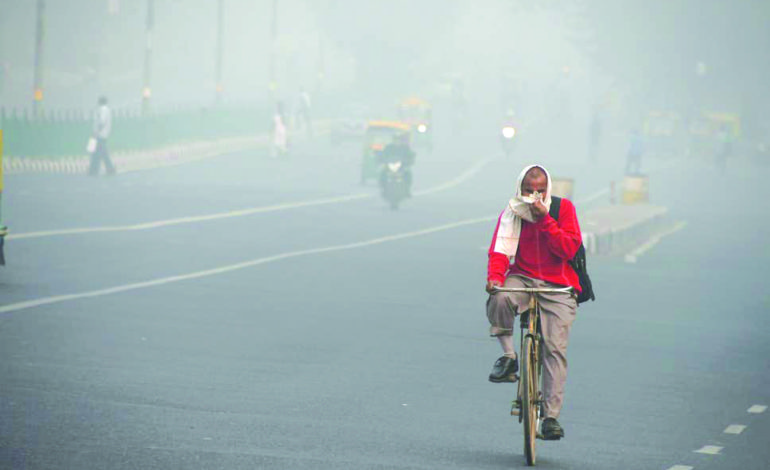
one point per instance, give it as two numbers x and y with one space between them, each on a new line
519 208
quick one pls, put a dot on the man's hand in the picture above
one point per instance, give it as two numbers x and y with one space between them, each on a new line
492 284
539 210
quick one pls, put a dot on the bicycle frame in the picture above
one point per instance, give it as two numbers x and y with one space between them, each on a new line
529 404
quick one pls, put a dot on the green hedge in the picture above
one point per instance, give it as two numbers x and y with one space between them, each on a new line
65 133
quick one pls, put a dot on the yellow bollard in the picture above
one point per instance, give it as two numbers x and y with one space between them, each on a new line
635 190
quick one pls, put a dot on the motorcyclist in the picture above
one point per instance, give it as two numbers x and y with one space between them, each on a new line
510 119
508 130
398 150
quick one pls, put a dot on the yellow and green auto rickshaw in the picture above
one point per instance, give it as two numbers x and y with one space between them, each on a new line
378 135
707 129
418 113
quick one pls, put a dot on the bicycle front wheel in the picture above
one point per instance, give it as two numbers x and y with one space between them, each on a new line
529 398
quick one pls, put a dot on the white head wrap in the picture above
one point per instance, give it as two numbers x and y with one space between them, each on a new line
519 208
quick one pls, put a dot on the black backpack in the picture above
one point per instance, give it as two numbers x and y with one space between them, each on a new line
578 263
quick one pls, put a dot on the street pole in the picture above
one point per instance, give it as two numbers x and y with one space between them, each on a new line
273 34
38 73
146 90
220 46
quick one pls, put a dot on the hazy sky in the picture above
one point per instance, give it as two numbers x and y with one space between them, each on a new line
647 51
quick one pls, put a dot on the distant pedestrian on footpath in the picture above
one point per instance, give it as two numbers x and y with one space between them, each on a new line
280 144
635 152
101 132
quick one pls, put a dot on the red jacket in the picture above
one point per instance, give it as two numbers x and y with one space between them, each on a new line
545 247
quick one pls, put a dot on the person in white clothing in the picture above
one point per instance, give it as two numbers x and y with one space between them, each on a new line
101 132
280 134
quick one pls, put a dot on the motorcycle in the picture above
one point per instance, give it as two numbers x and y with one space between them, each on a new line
394 183
507 136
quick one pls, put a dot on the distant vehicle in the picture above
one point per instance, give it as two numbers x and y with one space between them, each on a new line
705 129
418 113
395 184
507 139
508 134
378 134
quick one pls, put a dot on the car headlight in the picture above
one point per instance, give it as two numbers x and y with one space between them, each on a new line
509 132
422 128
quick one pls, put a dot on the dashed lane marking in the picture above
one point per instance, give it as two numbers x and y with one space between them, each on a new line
242 212
734 429
709 450
234 267
680 467
756 409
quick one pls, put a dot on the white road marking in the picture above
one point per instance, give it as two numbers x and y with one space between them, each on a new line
234 267
710 450
641 249
756 409
680 467
242 212
192 219
734 429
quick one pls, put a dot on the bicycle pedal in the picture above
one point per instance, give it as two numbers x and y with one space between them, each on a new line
515 412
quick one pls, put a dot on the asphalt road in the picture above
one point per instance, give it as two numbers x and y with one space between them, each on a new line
318 329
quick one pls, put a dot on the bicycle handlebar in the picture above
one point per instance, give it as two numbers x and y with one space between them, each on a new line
533 290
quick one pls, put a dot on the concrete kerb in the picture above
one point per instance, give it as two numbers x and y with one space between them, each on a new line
614 230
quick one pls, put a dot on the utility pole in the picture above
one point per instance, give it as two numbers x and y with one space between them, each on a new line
273 34
38 73
220 46
146 90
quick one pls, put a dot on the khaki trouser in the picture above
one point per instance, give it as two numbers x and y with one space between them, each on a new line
557 312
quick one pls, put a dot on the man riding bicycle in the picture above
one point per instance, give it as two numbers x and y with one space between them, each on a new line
532 249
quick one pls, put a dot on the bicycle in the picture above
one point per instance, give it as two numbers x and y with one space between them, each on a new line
529 403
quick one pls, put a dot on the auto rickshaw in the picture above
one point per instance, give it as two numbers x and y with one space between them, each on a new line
418 113
705 131
378 135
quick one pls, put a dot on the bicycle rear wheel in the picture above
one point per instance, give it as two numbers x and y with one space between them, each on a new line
529 399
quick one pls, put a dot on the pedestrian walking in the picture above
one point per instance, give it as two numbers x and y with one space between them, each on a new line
280 144
101 132
635 152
